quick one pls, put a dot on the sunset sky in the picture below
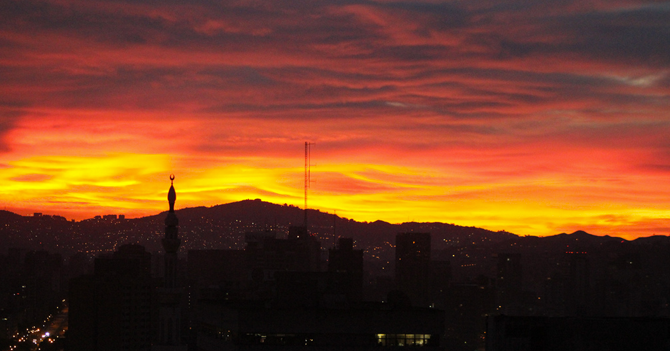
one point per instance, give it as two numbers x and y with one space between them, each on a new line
535 117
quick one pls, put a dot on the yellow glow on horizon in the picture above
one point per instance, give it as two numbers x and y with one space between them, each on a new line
114 180
136 184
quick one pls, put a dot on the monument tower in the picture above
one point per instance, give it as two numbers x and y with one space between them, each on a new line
171 240
169 314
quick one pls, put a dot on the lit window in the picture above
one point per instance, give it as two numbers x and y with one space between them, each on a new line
403 339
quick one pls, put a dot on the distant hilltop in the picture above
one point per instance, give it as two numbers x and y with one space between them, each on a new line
267 216
221 226
224 226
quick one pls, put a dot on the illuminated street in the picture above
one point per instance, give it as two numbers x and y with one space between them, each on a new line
45 337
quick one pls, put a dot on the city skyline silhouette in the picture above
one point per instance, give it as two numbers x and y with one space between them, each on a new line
324 286
487 175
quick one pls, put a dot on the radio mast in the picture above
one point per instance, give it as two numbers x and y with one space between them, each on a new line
308 147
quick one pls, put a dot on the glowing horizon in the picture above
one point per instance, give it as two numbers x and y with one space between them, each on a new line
536 118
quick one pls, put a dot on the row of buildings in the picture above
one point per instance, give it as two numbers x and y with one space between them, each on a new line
278 294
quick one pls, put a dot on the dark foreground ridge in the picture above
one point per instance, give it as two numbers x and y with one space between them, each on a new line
219 227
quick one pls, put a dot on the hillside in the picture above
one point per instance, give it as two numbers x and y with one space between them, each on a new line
221 226
224 226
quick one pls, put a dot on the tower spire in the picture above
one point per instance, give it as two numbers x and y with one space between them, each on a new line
169 338
172 194
308 175
171 240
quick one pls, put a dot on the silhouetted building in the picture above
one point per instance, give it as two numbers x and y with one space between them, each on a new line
466 306
266 254
509 282
579 284
79 264
42 276
620 289
412 247
224 269
347 264
554 297
129 259
170 296
216 274
308 289
440 276
30 289
112 309
509 271
413 271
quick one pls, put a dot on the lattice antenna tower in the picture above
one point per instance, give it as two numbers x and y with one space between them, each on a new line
308 174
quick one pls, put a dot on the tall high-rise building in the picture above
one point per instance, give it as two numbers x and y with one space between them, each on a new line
509 282
509 271
413 247
347 265
413 272
268 254
169 310
579 284
111 310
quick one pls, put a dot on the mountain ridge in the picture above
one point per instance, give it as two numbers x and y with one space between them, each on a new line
223 227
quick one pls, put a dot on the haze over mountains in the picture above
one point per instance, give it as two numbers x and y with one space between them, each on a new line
224 226
221 226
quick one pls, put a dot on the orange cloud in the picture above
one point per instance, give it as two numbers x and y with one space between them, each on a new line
525 116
